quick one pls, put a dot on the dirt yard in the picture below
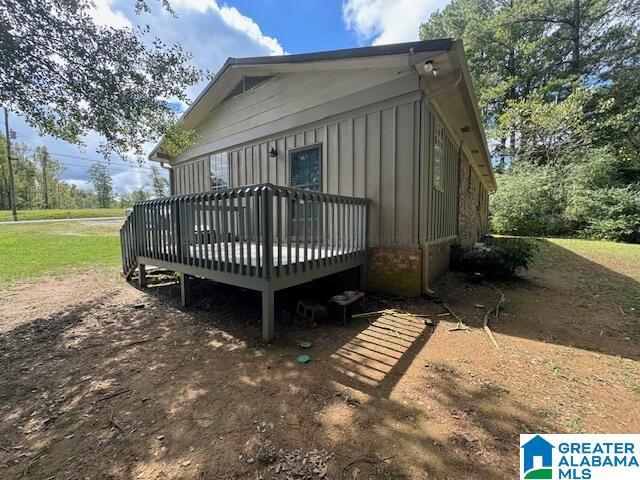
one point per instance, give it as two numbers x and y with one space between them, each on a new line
102 380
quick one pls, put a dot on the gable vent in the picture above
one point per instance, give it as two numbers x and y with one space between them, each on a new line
247 83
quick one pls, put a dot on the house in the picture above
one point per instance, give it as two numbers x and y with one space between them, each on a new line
372 158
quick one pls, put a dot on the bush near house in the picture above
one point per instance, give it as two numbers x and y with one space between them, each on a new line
498 257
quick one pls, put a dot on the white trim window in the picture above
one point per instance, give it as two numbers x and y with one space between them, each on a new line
219 170
438 155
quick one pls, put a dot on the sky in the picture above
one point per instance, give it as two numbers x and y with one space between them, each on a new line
213 31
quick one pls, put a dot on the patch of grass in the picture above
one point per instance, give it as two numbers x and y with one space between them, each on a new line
6 216
574 425
33 250
625 257
595 267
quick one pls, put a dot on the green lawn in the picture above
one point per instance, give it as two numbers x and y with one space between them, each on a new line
32 250
6 216
626 256
595 267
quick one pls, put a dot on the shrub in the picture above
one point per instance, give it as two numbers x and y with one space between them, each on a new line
499 257
593 194
529 201
609 213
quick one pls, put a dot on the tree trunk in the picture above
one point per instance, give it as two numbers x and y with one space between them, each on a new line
512 146
503 147
575 38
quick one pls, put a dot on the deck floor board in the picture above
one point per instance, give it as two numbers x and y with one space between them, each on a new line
250 257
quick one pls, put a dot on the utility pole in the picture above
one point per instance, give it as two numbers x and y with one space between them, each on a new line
43 158
12 198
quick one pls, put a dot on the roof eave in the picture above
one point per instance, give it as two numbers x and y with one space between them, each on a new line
458 50
349 53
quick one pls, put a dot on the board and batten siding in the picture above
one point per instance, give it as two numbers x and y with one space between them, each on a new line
191 177
441 204
291 93
372 153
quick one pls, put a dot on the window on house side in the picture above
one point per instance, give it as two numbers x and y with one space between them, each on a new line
305 174
305 168
438 155
219 170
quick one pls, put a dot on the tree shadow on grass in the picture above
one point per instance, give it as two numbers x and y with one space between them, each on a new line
565 299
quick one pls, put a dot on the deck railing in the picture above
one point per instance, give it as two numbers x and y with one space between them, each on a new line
260 230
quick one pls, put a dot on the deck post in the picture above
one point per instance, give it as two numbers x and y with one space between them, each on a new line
142 276
364 275
268 317
185 289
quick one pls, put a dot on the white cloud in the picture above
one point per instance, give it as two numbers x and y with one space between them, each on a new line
79 183
104 14
236 20
388 21
126 182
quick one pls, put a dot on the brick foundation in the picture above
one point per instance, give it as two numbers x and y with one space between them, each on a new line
438 260
395 270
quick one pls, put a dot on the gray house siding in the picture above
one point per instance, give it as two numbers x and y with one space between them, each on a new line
441 204
377 132
191 177
372 152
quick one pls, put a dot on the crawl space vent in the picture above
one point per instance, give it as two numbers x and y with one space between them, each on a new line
247 83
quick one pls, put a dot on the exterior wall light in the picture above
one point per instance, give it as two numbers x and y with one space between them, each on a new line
429 68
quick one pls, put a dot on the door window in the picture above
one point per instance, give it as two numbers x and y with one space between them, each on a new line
305 168
305 174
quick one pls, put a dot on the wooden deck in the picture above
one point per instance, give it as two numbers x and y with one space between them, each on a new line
263 237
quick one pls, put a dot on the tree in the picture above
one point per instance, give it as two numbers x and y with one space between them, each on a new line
518 48
159 183
559 87
584 38
548 131
502 55
67 76
616 117
129 199
102 183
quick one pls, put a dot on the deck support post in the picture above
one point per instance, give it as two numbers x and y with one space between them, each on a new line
142 276
268 316
185 289
364 276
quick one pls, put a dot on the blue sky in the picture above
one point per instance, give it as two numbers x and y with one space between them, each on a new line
213 31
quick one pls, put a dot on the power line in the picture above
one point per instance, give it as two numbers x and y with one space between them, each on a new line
93 160
119 169
130 162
